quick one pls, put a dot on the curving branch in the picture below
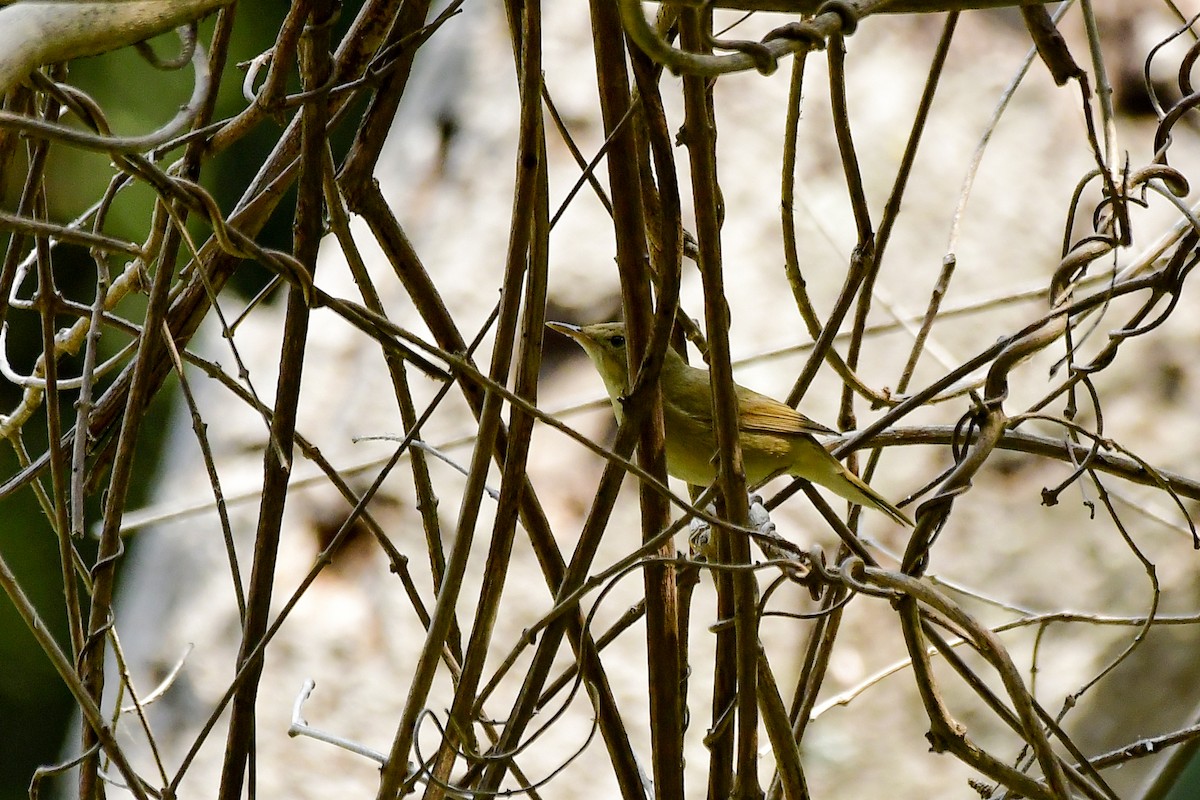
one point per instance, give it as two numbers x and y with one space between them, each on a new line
897 7
37 33
830 17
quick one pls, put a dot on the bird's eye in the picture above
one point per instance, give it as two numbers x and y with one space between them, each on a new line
617 341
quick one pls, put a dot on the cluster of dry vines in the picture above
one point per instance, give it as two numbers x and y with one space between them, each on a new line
374 58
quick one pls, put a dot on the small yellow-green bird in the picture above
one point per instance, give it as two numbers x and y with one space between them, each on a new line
775 438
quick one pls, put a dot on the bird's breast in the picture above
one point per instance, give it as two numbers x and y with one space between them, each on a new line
692 448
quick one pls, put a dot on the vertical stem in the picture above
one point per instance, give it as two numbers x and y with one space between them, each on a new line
141 388
47 303
667 634
813 671
701 142
527 256
864 254
359 166
1104 91
277 460
786 748
629 223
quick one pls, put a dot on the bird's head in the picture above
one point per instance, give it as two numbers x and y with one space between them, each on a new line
605 345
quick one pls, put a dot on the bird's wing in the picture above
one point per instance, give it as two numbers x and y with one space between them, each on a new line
761 414
757 412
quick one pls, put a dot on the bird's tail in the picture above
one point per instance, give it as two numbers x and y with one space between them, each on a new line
856 490
830 473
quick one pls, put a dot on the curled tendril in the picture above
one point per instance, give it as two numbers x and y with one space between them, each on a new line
847 14
836 17
1172 178
1075 264
187 49
90 113
764 60
1189 101
253 67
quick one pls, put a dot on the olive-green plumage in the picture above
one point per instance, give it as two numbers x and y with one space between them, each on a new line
775 438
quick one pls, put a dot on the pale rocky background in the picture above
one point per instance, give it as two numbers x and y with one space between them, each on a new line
354 632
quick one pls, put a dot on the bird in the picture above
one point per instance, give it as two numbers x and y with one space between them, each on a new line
775 438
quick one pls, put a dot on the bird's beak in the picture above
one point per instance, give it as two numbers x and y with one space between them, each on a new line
566 329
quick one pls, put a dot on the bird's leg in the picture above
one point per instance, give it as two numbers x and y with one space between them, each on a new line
702 545
760 518
700 538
